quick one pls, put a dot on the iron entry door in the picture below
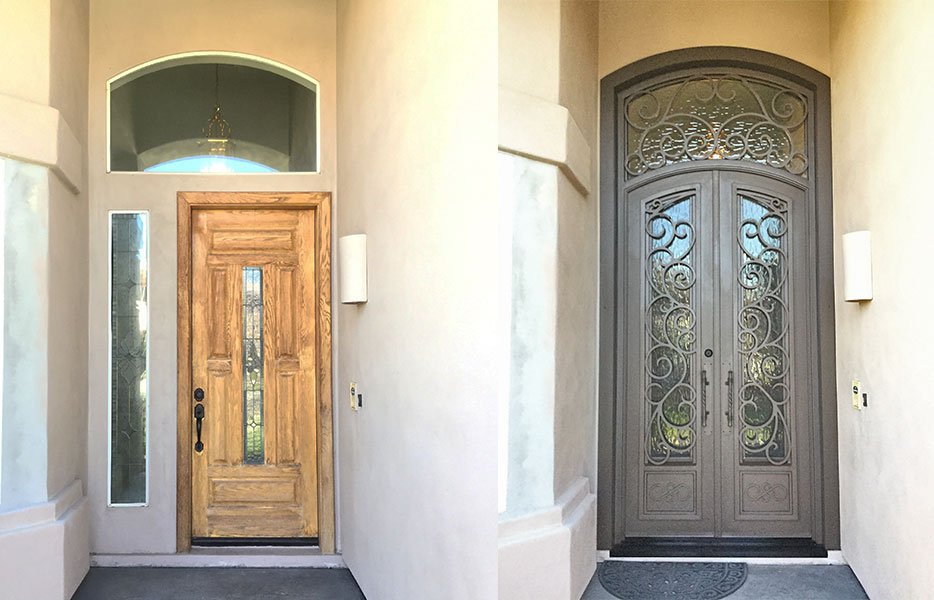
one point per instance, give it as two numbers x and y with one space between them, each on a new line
717 435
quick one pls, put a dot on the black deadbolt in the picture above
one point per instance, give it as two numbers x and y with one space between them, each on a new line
708 353
199 394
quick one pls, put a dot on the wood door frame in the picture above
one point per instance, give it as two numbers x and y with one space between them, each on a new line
826 507
320 202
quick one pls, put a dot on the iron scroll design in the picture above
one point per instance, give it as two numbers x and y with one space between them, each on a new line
670 329
716 116
764 393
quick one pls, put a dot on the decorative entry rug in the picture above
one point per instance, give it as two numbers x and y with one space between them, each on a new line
671 580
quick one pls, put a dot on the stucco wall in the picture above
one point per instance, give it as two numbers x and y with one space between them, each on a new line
417 139
298 33
883 57
68 266
577 269
634 29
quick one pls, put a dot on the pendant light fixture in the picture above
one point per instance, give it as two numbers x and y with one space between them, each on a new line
216 130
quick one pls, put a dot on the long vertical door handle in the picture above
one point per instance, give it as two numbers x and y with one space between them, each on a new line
729 399
703 397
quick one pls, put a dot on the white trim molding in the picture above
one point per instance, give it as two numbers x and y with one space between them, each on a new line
535 128
39 134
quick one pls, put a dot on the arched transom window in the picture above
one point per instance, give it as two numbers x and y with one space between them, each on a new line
213 113
716 115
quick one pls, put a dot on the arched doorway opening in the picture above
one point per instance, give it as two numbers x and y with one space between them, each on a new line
717 429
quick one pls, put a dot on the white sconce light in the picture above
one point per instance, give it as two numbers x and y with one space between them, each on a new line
351 251
857 266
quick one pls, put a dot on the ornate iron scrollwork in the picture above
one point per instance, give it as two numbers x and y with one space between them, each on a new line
763 325
670 335
716 116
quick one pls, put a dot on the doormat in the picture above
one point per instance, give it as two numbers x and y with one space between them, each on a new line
671 580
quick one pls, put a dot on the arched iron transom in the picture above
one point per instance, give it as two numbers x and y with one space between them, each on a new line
715 115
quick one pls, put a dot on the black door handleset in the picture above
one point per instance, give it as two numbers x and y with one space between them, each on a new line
199 416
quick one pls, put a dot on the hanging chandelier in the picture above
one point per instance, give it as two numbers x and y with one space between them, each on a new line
216 130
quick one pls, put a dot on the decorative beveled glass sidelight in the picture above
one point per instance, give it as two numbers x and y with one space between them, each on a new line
670 329
715 116
253 449
764 386
129 346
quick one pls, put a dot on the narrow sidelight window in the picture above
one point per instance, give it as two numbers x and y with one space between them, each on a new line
129 358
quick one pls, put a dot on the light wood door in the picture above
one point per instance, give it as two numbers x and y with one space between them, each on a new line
253 356
717 404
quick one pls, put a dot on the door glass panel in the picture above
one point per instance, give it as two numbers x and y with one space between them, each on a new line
764 386
253 451
129 352
670 329
716 116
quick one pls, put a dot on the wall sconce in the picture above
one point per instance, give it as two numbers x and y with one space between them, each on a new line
857 266
351 250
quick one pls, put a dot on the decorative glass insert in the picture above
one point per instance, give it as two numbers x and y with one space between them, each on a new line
765 381
670 329
716 116
253 451
129 357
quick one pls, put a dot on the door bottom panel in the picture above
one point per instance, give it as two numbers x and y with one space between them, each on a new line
718 547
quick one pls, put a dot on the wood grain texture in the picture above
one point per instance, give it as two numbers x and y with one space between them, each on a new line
305 298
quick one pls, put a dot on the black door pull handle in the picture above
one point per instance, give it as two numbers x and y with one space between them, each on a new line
199 415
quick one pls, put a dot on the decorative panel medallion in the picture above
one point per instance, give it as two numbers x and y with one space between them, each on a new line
670 323
765 493
253 451
764 392
716 116
668 492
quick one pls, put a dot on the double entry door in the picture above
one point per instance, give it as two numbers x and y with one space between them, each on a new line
716 404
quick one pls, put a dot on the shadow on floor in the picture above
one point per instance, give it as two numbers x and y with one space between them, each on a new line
131 583
780 582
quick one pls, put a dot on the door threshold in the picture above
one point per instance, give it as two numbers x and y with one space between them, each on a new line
834 557
219 542
239 556
704 547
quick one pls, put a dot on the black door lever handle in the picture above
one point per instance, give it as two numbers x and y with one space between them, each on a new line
199 416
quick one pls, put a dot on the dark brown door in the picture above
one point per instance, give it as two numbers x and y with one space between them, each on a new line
716 402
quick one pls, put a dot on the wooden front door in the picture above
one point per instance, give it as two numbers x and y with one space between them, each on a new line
256 396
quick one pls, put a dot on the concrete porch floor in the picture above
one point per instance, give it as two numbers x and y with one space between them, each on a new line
779 582
206 583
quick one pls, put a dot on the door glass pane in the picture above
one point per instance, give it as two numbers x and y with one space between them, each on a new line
764 386
253 451
716 116
670 329
129 350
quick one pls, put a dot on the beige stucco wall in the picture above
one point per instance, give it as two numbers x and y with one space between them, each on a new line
883 59
43 88
297 33
68 265
634 29
547 124
417 139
